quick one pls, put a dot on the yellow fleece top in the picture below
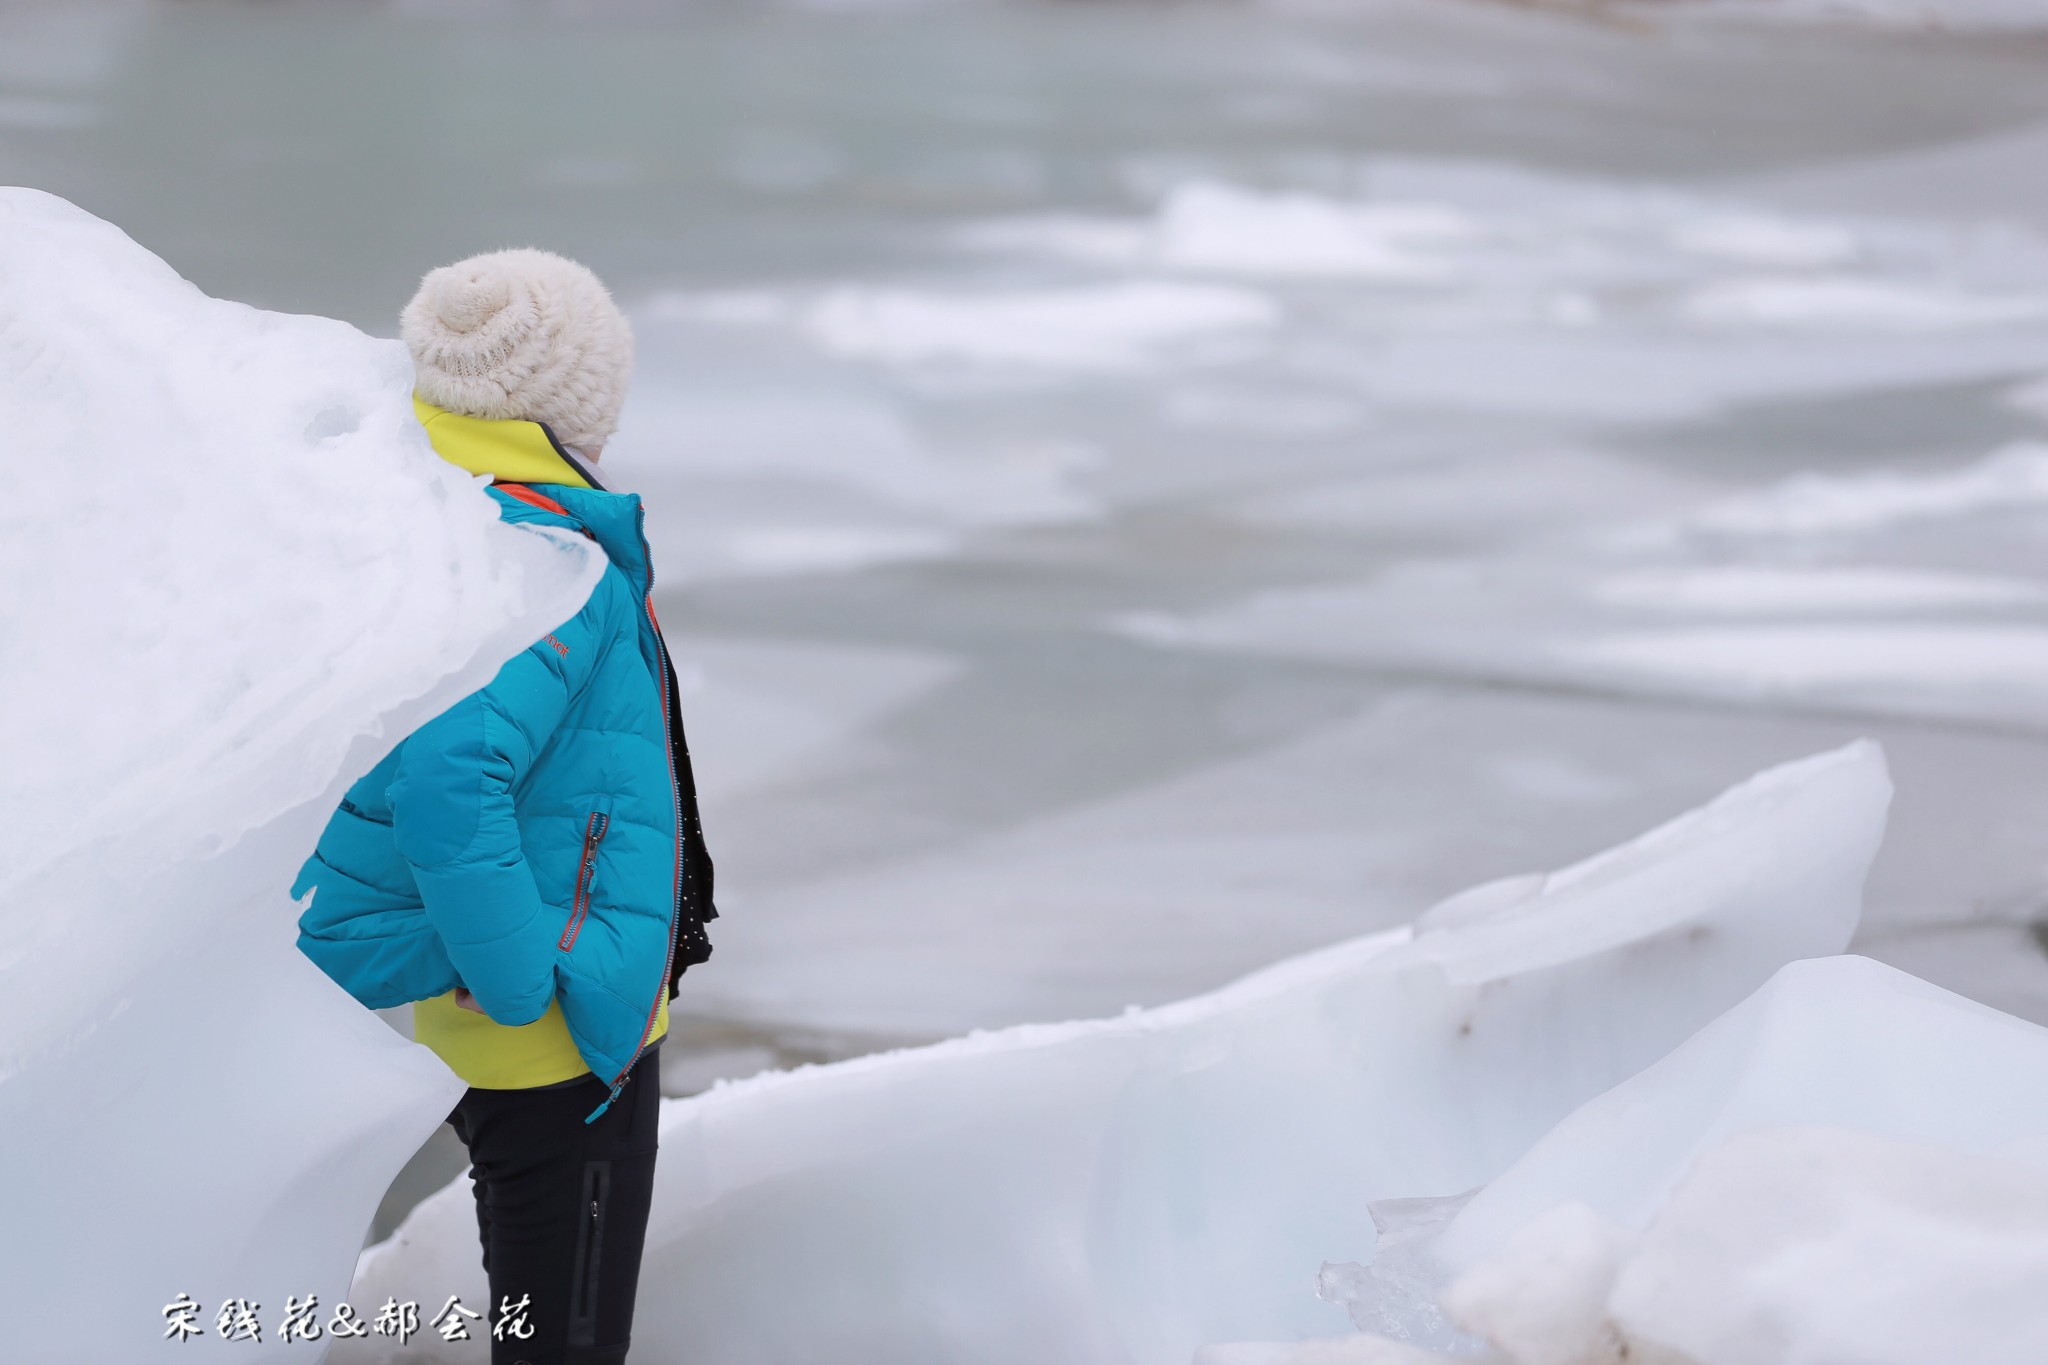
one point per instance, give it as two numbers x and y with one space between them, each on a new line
494 1056
483 1052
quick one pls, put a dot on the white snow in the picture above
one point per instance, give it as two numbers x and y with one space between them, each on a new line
1851 1165
1206 227
1959 16
1131 1188
2012 478
1098 327
1856 657
1956 670
1210 227
1467 286
1849 302
237 574
1767 240
1836 1244
1863 594
1776 590
1543 1296
1358 1350
740 481
1845 1042
1848 1166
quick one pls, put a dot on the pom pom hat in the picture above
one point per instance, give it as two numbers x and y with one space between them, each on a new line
524 334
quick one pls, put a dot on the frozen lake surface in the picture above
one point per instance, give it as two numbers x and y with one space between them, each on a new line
1143 491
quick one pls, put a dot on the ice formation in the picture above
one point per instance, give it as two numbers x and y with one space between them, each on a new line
1131 1188
1851 1165
236 574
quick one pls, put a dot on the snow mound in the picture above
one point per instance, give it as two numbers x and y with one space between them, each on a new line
1839 1043
1832 1244
1850 1165
237 574
1128 1189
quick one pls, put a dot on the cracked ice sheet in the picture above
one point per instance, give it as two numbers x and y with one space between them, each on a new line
758 458
1120 1191
1184 883
1472 287
1875 594
300 581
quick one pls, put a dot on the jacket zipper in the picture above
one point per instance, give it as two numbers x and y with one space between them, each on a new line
593 832
676 797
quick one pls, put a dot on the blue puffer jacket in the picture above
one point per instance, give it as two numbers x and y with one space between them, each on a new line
539 838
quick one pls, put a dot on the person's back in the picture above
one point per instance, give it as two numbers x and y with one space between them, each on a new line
528 866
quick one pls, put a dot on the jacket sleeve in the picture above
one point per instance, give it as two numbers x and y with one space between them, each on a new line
453 821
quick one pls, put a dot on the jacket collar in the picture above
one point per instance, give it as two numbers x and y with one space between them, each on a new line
511 451
514 452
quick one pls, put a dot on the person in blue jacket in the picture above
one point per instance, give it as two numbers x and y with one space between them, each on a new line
528 867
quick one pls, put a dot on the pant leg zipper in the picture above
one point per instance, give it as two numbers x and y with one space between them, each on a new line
585 1282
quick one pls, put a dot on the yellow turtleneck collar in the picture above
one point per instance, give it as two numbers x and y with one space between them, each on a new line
512 451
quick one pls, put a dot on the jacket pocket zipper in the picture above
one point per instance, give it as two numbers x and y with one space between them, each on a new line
593 832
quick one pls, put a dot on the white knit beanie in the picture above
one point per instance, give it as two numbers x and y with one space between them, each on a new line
524 334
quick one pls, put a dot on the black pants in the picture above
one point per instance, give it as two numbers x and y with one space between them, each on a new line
561 1207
